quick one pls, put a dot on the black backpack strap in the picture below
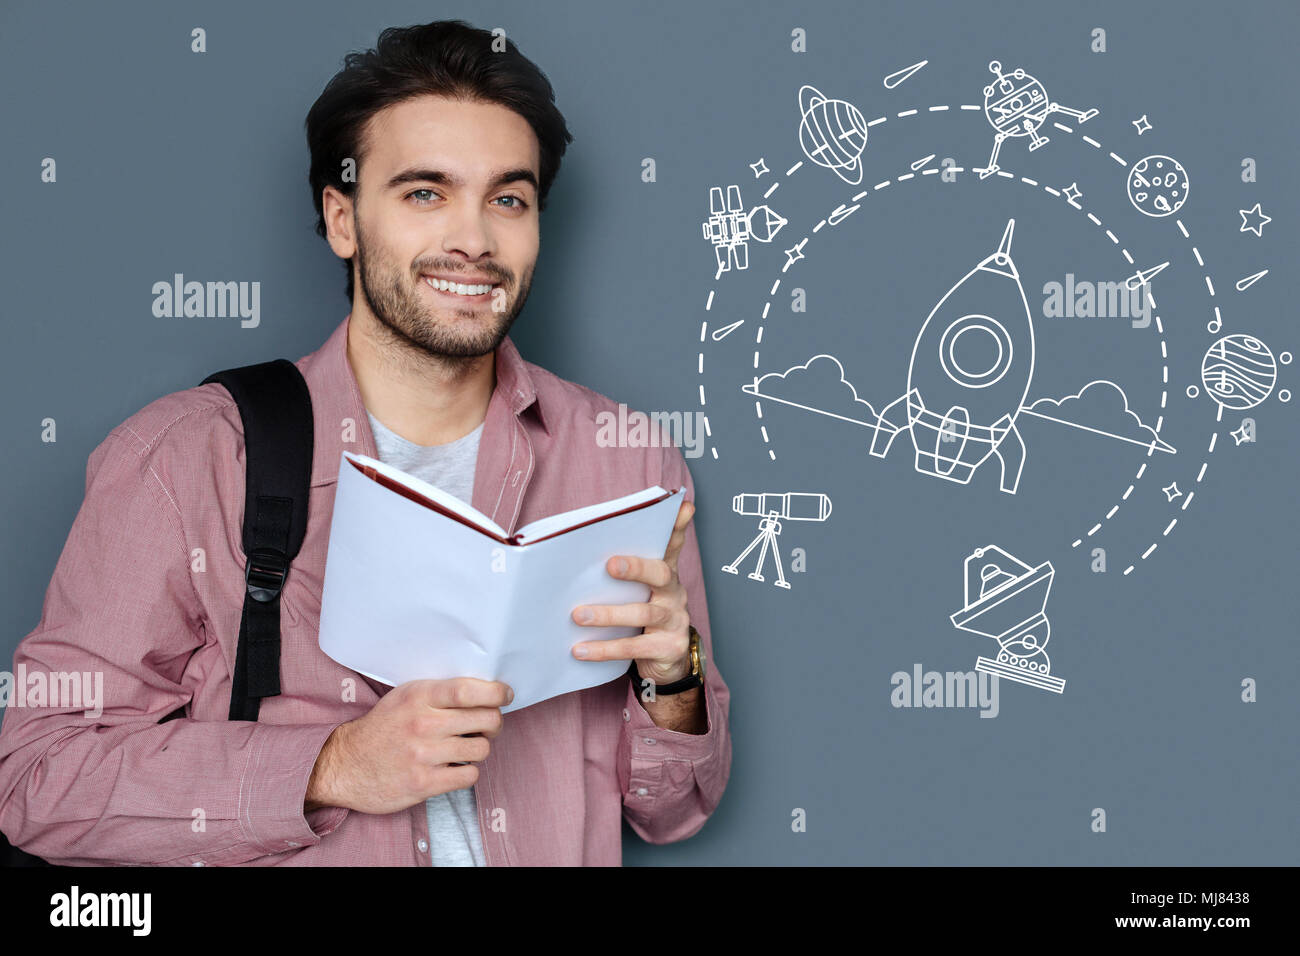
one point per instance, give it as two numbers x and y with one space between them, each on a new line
275 407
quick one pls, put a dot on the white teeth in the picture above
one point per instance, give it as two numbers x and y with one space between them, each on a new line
457 287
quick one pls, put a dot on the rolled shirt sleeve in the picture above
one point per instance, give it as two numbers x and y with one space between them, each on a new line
673 781
118 787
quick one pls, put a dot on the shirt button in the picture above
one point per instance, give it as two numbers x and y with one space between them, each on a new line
649 740
423 845
641 791
626 715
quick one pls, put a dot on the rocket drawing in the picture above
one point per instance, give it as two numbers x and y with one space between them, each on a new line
969 376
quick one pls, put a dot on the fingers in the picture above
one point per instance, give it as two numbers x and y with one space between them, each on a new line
651 571
474 720
467 749
649 616
466 692
458 777
675 543
643 647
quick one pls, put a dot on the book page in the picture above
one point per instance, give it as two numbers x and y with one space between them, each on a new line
545 527
433 493
411 593
561 572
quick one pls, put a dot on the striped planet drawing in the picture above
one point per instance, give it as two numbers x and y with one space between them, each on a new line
1239 372
832 133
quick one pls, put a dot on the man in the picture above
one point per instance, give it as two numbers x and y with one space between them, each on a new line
454 145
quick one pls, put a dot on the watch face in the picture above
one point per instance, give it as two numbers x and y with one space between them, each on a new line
697 653
1157 186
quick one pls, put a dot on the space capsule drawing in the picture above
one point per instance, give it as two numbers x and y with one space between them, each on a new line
969 376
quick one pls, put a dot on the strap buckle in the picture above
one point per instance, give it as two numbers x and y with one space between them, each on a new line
264 576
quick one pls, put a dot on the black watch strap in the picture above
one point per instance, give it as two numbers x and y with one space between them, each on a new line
667 690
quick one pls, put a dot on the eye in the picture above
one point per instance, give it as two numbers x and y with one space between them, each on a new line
416 192
518 202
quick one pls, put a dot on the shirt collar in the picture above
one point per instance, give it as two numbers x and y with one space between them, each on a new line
339 414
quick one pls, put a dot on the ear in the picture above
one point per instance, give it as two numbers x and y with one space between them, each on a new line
337 210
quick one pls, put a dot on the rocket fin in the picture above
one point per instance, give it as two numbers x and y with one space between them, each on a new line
1011 455
891 420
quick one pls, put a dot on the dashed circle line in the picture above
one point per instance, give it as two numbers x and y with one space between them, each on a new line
1213 327
1128 258
758 408
1056 194
1215 324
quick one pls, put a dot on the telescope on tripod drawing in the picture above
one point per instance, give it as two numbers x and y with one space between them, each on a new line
771 509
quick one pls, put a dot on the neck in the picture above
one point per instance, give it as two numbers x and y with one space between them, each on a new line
423 398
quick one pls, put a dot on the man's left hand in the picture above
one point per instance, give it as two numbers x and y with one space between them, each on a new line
662 650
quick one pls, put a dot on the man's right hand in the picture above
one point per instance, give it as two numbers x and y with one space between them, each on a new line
406 748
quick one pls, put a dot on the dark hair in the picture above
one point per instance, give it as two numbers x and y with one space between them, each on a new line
447 58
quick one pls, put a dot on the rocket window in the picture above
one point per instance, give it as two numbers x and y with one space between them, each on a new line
975 351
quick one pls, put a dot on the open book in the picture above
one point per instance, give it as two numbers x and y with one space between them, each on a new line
419 584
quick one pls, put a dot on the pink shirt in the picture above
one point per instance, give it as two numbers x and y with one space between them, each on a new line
148 591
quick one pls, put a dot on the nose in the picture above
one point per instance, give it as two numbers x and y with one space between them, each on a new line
467 232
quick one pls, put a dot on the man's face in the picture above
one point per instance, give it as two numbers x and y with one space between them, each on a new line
447 191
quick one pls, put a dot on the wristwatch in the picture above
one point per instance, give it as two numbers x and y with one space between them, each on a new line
694 679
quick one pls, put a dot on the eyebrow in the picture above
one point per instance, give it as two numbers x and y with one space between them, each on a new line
442 178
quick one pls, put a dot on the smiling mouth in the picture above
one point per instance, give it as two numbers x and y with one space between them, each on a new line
460 290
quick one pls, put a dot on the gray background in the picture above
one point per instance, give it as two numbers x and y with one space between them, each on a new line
170 161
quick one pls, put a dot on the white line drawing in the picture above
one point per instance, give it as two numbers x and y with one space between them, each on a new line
1102 396
759 168
832 133
1006 599
1144 276
921 162
829 369
795 252
1239 372
1072 193
973 384
1171 491
898 76
1157 185
770 508
1254 220
1017 104
977 366
1142 123
1246 283
839 213
722 333
730 228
